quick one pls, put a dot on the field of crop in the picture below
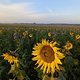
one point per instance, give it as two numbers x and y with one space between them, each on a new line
39 52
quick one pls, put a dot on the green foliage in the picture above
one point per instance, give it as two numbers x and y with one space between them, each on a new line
12 39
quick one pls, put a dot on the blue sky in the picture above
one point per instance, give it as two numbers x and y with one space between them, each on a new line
40 11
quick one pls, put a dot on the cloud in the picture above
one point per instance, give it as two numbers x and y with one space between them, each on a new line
16 11
25 12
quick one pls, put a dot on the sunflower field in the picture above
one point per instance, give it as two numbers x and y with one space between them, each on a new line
39 52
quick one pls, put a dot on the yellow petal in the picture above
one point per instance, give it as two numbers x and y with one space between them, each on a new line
35 52
37 62
45 67
60 55
37 47
54 43
56 49
42 67
40 63
36 58
57 66
48 69
53 67
57 60
44 42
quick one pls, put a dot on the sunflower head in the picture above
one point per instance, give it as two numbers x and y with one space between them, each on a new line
68 45
24 34
11 59
71 34
30 35
47 56
77 37
49 34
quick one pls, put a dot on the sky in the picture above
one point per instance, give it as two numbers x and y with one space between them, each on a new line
40 11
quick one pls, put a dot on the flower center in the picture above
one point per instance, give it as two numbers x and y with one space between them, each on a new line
47 54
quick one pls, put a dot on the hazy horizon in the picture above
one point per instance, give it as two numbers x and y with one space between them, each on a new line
39 11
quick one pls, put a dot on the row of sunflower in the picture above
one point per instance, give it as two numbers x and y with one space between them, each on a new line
27 57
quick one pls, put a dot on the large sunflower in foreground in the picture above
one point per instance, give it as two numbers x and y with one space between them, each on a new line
47 56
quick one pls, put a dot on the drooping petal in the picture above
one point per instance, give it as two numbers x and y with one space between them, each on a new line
48 69
40 63
45 67
57 66
53 67
37 62
42 67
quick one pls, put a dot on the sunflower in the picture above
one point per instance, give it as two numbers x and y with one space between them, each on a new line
71 34
25 33
77 37
49 34
68 45
11 59
47 56
30 35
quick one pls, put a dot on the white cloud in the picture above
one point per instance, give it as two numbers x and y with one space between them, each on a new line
13 12
25 12
18 12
